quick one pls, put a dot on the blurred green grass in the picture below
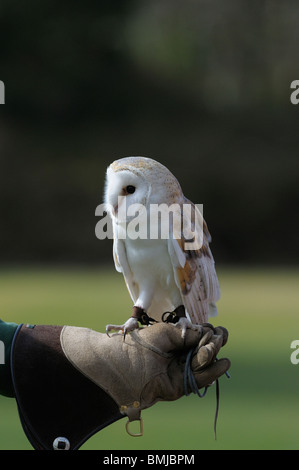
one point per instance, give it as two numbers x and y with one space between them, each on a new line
259 406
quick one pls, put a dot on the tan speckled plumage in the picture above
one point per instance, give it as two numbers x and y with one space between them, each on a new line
151 170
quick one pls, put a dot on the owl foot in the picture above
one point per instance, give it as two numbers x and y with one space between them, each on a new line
184 324
139 315
127 327
179 319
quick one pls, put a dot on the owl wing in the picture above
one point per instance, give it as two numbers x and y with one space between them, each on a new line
194 269
122 266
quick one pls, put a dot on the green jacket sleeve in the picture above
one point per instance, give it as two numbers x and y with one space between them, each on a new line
7 332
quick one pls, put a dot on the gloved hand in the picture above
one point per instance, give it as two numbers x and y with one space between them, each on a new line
150 365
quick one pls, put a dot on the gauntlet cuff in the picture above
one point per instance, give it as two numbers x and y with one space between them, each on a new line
59 407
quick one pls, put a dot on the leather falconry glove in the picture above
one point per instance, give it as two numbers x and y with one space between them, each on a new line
71 382
150 365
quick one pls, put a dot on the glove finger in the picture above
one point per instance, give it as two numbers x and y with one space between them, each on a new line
205 338
220 330
209 331
168 338
210 374
207 353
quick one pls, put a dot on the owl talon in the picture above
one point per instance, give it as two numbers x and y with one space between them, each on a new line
127 327
184 324
109 328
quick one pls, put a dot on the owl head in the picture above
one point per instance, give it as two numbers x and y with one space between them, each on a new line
139 180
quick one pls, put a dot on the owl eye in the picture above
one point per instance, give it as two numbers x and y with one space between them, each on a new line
130 189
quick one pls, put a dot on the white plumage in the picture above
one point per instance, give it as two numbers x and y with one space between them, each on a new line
161 274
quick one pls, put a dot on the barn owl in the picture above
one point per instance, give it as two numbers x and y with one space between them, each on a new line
163 275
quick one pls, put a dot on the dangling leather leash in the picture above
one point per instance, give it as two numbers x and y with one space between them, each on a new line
189 379
190 384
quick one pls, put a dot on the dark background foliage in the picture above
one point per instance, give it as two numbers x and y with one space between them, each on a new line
202 86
